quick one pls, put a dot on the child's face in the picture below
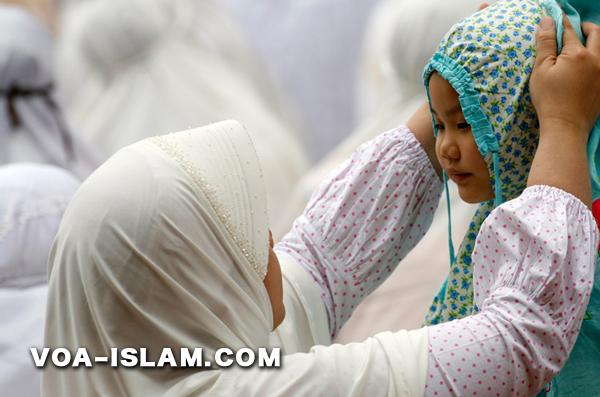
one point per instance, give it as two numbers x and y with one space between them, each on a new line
455 146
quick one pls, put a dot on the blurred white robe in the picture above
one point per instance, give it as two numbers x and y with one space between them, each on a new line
32 200
41 134
130 69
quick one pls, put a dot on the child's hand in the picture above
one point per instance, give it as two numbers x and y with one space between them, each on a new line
566 88
566 94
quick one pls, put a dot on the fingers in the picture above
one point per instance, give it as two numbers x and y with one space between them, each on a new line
546 41
271 239
570 38
483 6
592 34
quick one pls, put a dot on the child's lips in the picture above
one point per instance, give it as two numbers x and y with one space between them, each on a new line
457 176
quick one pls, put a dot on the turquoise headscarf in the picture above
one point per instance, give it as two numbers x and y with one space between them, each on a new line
488 59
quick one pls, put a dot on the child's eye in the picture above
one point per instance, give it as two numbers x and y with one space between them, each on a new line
439 127
463 126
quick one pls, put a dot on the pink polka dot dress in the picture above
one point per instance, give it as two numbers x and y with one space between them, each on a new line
364 219
533 273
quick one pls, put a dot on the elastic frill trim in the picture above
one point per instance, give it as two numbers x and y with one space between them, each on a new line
468 96
482 130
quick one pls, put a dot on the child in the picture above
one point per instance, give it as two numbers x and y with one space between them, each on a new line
482 67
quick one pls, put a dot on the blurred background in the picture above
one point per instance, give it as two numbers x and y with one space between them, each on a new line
310 79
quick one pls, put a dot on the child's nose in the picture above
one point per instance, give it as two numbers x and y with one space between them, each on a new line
449 150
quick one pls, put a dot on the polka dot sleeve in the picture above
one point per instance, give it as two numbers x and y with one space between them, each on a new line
534 265
363 219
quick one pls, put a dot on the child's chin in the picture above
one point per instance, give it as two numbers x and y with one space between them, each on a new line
471 196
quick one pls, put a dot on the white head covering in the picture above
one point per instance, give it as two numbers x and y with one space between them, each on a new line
165 245
32 200
172 72
32 127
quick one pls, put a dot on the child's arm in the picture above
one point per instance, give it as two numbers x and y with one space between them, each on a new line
534 266
567 105
363 220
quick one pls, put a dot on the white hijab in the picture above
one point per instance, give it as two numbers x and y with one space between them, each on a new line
165 245
32 200
136 68
32 126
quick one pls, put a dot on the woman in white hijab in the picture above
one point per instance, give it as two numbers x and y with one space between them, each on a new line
174 70
32 126
166 245
32 200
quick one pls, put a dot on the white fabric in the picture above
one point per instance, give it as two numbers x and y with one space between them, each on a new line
32 200
388 365
152 253
527 263
173 71
306 323
399 40
363 219
43 135
312 49
426 263
407 292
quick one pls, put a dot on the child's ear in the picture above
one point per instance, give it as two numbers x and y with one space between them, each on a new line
483 6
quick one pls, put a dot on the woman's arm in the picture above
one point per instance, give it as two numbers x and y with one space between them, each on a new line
532 300
364 219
